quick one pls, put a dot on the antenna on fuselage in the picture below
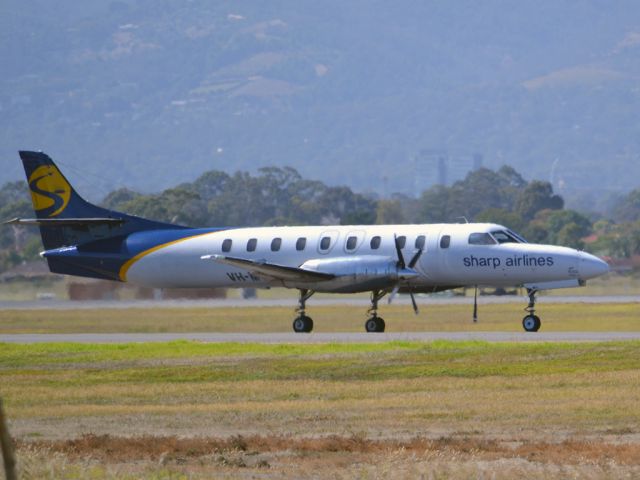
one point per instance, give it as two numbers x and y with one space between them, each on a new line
463 218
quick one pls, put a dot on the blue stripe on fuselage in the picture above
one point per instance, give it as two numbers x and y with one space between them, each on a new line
105 257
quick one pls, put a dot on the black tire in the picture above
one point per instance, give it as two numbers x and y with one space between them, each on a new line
308 324
374 325
531 323
538 323
371 325
302 324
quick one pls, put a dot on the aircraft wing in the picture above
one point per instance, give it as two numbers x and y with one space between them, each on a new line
279 272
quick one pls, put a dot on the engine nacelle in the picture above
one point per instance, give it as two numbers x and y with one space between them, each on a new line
357 273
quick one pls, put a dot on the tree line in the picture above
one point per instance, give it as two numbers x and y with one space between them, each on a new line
280 196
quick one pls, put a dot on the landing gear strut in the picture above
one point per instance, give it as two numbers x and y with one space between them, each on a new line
531 322
375 323
302 323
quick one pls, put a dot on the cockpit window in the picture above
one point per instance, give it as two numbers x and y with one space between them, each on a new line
481 238
507 236
519 237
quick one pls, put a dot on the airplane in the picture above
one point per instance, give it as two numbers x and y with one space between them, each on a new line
86 240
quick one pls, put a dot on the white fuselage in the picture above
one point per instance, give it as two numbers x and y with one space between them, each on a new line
458 263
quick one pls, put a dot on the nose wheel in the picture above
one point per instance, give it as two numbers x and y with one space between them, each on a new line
531 322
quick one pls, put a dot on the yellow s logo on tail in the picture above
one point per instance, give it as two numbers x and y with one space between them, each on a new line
50 192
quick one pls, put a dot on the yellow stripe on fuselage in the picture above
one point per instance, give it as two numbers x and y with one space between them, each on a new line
129 263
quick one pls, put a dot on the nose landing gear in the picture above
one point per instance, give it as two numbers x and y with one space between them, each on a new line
531 322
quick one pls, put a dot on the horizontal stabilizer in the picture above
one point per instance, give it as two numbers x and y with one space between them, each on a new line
279 272
64 222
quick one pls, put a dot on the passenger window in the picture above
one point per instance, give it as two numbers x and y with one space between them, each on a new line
301 243
445 241
375 242
251 244
325 243
481 239
275 244
402 241
226 245
420 242
352 242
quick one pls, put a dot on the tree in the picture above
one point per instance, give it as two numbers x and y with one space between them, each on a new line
627 209
12 192
619 240
481 189
119 197
562 227
502 217
434 205
570 235
537 196
389 211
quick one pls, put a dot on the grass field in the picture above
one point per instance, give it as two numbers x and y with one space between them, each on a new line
493 317
394 410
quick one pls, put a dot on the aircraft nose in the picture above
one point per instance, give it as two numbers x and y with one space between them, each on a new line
591 266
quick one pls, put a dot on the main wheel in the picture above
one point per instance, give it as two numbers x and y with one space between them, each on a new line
531 323
374 324
302 324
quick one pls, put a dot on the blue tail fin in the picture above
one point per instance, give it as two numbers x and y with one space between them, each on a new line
64 217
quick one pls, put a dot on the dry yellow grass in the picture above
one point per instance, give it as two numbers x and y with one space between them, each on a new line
505 317
398 410
327 457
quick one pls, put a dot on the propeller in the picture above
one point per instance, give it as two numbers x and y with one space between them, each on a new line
407 270
396 242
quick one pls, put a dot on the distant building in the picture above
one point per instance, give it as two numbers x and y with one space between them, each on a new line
442 167
36 270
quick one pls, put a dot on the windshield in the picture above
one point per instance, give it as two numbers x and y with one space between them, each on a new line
481 238
507 236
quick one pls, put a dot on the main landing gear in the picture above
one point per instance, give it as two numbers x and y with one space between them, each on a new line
531 322
375 323
302 323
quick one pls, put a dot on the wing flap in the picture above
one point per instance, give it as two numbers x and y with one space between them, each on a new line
279 272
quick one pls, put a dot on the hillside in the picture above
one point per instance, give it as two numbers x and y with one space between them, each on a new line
149 93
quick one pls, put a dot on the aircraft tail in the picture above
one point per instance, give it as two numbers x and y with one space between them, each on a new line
64 217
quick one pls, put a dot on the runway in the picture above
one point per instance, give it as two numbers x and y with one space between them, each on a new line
311 338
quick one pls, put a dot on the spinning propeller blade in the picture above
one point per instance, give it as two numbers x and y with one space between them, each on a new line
413 302
393 294
401 263
414 260
402 266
